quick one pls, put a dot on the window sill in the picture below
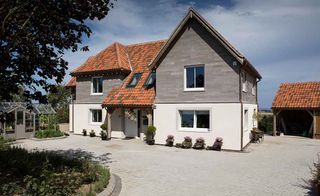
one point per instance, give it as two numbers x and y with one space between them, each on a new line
194 89
96 123
96 94
196 130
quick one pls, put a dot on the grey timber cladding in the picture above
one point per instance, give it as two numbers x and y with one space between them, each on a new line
196 46
248 97
83 88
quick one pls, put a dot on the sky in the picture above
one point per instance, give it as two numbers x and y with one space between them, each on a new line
281 38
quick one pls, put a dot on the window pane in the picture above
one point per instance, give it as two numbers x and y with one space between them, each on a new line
151 79
186 118
199 77
203 119
190 77
96 115
20 118
100 81
134 80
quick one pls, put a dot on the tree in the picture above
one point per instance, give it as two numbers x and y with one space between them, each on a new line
34 35
60 101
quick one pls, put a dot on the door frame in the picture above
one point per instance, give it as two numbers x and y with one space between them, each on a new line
20 129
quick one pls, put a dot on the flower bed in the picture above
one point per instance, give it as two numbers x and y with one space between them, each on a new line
48 133
49 173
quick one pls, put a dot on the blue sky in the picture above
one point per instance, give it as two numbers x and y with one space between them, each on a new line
280 38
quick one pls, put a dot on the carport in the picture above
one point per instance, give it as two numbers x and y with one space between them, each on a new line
296 110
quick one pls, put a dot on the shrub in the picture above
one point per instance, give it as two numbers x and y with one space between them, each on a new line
48 133
265 124
104 127
178 145
170 140
200 144
48 173
187 143
315 181
150 133
84 132
92 133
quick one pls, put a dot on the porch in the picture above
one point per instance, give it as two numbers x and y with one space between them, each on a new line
124 122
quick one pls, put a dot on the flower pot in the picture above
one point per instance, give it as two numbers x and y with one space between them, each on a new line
150 142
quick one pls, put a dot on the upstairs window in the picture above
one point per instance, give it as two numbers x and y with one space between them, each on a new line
244 81
150 82
254 87
194 78
134 81
96 85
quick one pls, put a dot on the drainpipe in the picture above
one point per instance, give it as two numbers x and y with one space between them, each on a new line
241 107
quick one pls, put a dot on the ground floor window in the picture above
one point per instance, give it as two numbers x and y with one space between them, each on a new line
96 115
195 120
246 119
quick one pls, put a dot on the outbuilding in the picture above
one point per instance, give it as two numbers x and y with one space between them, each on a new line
296 110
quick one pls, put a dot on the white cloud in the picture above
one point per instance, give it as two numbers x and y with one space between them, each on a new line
281 38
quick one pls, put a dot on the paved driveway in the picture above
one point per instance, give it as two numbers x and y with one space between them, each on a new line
276 167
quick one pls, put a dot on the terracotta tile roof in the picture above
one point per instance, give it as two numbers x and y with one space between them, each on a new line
140 55
118 57
304 95
72 82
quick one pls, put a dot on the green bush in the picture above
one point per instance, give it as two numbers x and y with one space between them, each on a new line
315 172
48 173
265 124
48 133
104 127
151 132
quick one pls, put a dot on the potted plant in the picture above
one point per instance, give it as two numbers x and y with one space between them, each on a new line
200 144
187 143
170 140
178 145
104 135
217 144
92 133
150 133
84 132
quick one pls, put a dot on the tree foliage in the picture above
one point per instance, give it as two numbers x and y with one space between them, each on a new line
34 35
60 100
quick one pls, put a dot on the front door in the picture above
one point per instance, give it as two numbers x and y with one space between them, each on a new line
20 126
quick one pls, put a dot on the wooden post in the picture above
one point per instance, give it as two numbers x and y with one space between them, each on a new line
274 123
109 123
314 124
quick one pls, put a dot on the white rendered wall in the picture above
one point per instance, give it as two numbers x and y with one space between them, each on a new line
251 122
225 122
82 118
116 124
131 126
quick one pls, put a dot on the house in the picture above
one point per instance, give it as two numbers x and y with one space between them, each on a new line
19 120
194 84
296 109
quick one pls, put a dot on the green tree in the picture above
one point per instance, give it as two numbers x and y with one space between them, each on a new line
34 35
60 100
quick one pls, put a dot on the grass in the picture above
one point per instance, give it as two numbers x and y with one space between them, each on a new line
48 133
49 173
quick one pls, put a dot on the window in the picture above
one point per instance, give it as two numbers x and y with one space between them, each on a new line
254 87
20 118
244 81
194 78
29 122
194 120
96 85
151 80
134 80
246 120
96 116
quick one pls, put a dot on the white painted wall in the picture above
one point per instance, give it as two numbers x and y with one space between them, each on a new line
225 123
116 128
251 122
82 118
131 126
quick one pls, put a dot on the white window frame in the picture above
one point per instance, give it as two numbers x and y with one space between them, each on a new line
93 93
244 82
194 128
185 78
254 87
91 116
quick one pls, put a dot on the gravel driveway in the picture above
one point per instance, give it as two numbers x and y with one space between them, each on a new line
276 167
